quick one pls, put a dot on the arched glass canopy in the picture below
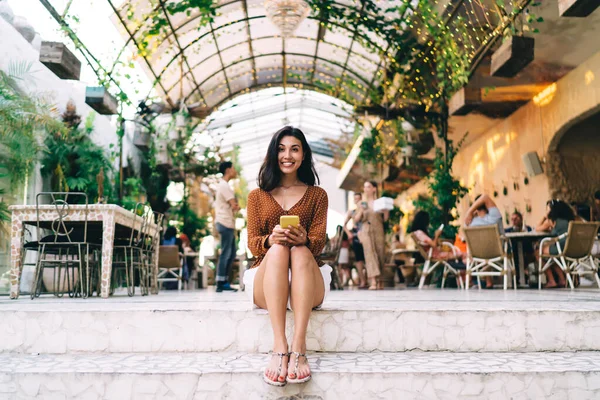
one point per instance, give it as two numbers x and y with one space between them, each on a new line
242 50
250 120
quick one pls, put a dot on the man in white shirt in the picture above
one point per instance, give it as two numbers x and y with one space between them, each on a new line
225 208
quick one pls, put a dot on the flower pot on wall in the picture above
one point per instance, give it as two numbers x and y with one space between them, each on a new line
59 59
515 53
141 138
163 158
100 100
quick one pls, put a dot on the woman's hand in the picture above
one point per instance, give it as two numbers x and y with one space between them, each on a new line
296 236
469 219
278 236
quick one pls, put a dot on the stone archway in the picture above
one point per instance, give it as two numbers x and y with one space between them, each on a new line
573 159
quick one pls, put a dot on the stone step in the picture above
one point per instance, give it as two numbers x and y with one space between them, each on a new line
394 321
431 375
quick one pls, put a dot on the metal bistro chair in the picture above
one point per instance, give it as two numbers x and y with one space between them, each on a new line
488 254
128 253
431 263
170 265
151 241
331 255
576 258
67 246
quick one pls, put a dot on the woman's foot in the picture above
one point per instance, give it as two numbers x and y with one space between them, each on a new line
298 368
276 371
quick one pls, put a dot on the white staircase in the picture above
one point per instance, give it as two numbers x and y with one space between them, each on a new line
394 344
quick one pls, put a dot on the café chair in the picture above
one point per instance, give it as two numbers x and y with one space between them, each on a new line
431 263
489 255
576 257
330 255
68 249
128 252
170 265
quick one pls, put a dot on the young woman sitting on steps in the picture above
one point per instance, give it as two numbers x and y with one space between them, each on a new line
287 272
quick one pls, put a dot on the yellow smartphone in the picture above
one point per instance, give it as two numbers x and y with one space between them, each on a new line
286 221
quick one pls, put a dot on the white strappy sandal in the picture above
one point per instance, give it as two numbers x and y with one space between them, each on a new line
296 380
279 368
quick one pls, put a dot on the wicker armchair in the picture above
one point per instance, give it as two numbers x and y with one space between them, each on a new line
576 258
489 255
431 263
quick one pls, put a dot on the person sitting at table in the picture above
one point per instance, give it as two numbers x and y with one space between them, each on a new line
484 212
420 227
559 215
518 226
545 225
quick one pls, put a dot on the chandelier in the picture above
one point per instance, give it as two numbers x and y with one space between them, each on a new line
287 14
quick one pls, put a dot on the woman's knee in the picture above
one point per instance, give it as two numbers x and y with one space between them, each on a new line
301 257
278 251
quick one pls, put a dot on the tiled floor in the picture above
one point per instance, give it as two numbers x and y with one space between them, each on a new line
205 363
399 299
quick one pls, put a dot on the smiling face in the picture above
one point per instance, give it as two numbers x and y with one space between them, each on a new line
290 155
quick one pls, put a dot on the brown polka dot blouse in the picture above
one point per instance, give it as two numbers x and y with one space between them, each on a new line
264 213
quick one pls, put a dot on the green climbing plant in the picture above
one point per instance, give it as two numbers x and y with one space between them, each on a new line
444 191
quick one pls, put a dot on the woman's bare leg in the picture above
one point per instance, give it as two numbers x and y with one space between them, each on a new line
307 292
271 291
360 267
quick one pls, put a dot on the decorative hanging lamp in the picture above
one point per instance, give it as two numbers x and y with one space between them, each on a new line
287 14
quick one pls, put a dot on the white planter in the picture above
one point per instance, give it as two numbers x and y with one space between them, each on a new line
163 157
174 134
6 12
141 138
48 279
179 120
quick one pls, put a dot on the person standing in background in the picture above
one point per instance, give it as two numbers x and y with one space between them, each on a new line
372 234
357 248
225 208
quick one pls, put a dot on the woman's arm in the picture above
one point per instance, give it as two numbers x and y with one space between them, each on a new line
386 215
358 214
545 225
345 225
257 239
318 227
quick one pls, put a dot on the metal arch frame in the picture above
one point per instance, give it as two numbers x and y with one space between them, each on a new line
250 47
261 86
184 58
131 36
339 85
268 55
213 30
270 37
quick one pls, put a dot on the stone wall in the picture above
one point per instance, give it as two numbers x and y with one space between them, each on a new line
493 161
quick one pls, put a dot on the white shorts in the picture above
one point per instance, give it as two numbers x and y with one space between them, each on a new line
251 273
344 257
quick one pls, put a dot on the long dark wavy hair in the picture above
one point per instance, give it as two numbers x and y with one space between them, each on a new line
560 210
420 222
269 176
